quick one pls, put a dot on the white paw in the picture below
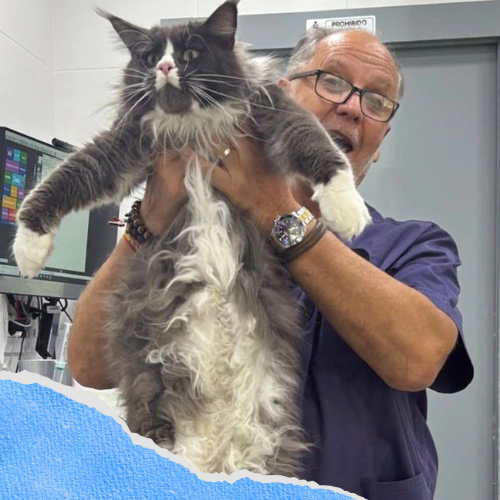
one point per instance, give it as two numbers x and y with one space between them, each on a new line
31 250
342 207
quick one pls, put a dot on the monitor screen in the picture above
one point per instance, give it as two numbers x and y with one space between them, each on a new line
83 242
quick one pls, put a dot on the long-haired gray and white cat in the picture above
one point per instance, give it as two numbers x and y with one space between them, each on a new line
204 337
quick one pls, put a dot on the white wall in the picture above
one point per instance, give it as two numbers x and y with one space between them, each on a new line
27 67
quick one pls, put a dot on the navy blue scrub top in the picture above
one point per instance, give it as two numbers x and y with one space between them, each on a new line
370 439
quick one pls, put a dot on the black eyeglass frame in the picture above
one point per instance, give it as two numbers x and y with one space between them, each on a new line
318 72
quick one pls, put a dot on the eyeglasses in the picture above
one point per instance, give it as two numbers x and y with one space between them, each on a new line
335 89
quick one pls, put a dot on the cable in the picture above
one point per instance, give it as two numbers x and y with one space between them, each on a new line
39 302
13 303
20 354
24 325
26 314
63 309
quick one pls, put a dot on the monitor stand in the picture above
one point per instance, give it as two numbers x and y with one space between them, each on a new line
49 325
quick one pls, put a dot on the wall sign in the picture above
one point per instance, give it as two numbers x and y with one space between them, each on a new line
362 22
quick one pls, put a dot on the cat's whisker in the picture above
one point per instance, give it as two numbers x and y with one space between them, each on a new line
138 75
135 70
252 103
223 76
134 90
127 114
189 74
245 133
215 103
132 96
214 81
210 99
266 92
135 86
138 80
141 77
197 95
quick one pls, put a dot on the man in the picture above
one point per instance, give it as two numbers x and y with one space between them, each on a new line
382 323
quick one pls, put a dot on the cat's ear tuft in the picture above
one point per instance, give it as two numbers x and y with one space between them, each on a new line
223 22
132 36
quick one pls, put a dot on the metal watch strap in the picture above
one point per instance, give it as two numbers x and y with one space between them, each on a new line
304 215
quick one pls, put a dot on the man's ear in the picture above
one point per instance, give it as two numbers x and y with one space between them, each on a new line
376 156
285 85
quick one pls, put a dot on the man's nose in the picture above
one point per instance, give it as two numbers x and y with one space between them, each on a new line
351 107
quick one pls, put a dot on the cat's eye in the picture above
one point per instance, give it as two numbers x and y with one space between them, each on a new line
190 55
152 59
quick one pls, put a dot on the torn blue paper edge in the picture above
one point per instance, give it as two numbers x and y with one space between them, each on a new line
57 442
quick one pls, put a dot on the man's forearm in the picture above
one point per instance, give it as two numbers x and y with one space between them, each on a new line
394 328
86 342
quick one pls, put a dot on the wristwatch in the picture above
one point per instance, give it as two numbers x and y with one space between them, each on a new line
289 229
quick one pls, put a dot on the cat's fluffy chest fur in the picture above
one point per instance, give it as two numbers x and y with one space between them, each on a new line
229 364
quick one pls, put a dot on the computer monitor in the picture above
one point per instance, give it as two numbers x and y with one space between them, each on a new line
83 242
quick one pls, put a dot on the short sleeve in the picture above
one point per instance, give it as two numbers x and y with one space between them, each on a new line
430 266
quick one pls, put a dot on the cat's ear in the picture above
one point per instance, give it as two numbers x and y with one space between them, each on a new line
223 22
131 35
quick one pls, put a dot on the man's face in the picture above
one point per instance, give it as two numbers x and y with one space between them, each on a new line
362 60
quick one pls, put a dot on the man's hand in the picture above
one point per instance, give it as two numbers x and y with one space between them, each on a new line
253 186
165 192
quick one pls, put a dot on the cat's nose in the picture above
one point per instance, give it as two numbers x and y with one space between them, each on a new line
165 67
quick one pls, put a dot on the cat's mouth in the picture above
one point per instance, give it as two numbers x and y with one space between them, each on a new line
342 142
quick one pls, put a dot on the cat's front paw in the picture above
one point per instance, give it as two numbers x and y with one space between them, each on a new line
342 207
31 250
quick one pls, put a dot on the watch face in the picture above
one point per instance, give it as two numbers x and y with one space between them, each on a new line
288 230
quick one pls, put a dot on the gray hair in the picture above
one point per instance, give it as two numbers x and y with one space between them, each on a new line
305 49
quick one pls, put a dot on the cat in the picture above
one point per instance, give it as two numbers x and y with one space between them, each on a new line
204 334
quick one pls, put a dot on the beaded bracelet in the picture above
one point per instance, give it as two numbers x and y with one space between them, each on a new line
136 233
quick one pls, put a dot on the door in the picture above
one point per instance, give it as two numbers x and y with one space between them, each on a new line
439 162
